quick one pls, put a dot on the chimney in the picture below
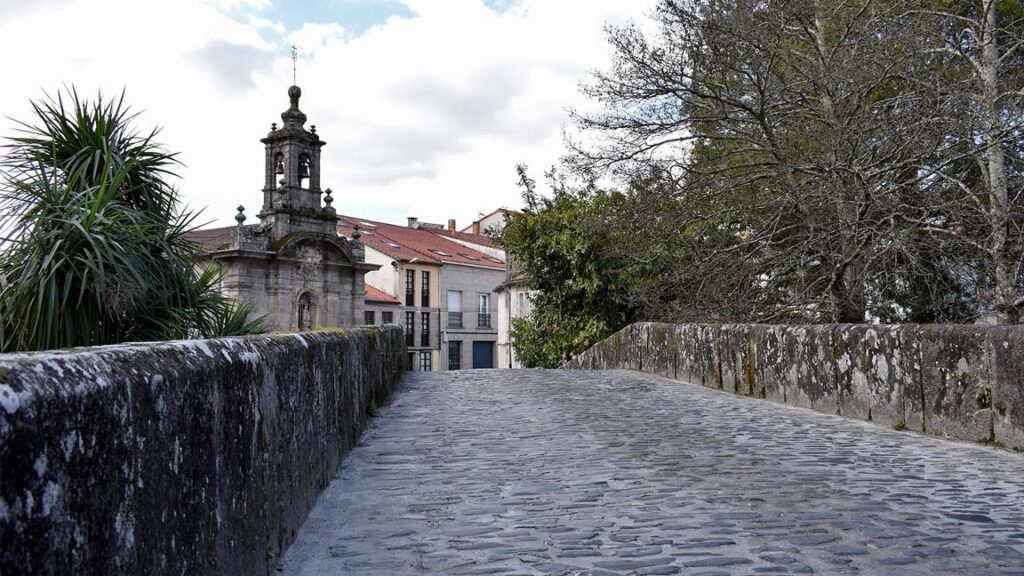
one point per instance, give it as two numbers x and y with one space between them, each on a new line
414 222
451 225
476 227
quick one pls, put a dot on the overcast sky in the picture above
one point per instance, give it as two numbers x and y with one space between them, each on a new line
426 105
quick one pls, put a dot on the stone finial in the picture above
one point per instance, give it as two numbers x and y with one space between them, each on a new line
240 217
328 199
313 128
293 116
273 126
356 245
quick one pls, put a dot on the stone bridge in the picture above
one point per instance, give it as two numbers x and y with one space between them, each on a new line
614 472
225 457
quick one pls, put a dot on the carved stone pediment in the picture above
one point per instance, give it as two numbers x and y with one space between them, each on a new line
314 249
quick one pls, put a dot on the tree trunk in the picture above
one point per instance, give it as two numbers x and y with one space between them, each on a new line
998 211
847 287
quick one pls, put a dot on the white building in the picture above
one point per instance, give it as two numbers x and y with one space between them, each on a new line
444 281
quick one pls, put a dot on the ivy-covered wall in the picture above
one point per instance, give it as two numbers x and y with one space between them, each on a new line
963 382
192 457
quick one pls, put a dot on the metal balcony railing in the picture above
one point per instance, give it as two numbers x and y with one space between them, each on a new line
455 319
469 320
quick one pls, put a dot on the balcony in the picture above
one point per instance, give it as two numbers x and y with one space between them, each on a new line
455 319
472 321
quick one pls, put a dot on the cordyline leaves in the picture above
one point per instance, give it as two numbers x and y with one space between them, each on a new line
94 240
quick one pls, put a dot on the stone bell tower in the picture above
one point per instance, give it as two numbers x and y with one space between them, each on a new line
293 267
291 190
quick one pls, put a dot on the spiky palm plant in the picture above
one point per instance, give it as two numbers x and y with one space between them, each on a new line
94 245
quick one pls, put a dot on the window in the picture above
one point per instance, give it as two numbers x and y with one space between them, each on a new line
387 317
454 355
425 329
368 318
483 311
524 305
410 325
410 285
426 362
425 288
454 309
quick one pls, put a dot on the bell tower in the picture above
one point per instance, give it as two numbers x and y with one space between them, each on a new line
291 190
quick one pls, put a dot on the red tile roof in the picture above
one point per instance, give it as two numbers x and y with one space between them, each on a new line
427 245
378 296
466 237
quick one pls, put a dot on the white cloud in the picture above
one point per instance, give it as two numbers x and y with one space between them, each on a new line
312 37
425 115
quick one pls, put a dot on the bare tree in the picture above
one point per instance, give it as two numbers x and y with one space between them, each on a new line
984 93
792 136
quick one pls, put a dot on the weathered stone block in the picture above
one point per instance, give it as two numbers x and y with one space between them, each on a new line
709 356
772 362
869 372
732 345
1008 386
637 346
754 379
661 350
811 381
957 382
912 386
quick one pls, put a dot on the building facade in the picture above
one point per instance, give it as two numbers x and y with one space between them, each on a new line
292 267
444 282
470 314
515 300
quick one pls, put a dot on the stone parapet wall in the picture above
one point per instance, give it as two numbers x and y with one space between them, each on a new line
192 457
963 382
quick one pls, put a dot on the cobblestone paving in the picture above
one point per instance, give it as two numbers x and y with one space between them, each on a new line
559 472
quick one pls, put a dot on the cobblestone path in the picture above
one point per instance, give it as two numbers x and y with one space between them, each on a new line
560 472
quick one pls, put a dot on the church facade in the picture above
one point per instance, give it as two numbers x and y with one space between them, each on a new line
293 267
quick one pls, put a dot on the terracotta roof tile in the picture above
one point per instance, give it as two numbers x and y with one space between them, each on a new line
378 296
423 244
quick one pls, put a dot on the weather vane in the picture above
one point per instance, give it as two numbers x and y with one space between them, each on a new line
295 59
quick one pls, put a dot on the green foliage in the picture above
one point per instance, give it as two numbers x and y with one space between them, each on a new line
95 248
560 243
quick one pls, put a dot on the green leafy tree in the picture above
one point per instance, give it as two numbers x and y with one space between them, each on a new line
560 242
95 248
